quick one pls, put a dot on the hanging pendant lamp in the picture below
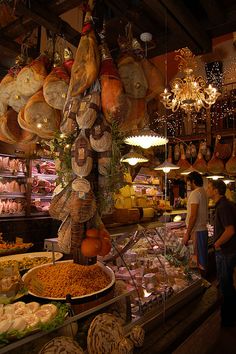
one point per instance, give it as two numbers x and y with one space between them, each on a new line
132 158
166 167
189 170
145 138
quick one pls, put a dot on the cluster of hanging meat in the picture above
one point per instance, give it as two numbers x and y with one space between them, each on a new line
32 97
220 161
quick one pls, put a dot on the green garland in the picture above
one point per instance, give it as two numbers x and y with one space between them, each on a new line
60 148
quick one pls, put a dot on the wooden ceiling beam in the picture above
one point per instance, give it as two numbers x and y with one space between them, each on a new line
11 46
46 18
172 36
23 24
215 13
179 13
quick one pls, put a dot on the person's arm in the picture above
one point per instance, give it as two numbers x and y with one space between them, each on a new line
225 236
191 223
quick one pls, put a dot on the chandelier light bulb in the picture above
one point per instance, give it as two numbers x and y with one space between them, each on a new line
189 93
133 161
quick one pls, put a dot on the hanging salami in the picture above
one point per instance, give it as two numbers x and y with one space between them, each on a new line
81 152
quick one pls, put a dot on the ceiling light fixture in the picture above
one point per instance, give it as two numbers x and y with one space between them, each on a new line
215 177
166 167
189 93
189 170
227 181
145 138
132 158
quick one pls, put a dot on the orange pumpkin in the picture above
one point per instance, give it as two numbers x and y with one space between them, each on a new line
92 233
90 247
103 233
106 247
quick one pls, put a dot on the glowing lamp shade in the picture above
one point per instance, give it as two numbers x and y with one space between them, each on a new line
227 181
166 167
132 158
189 170
215 177
145 138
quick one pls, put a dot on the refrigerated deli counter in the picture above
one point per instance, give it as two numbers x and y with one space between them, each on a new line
154 285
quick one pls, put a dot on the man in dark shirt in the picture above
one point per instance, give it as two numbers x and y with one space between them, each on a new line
225 246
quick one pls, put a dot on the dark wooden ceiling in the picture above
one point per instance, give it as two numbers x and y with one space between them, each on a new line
172 23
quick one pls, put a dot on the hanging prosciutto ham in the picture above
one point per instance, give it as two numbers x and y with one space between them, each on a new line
68 60
131 72
182 163
215 165
11 132
231 163
87 59
200 164
30 79
42 119
56 85
114 103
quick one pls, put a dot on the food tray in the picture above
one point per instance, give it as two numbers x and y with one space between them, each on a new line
30 274
15 250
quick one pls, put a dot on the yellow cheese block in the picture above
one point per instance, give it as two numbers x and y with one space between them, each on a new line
127 203
125 191
141 202
148 212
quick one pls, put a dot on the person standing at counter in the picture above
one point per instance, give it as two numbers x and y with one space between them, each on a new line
225 247
196 220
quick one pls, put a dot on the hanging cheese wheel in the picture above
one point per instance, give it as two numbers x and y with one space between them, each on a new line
100 136
81 185
82 161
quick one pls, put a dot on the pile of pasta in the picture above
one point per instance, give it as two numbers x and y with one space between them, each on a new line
56 281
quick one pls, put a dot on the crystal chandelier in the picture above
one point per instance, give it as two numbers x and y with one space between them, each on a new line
189 93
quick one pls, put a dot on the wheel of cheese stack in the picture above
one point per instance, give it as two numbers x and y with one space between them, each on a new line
104 335
65 345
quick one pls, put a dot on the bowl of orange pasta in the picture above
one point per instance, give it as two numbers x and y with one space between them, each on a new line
55 282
